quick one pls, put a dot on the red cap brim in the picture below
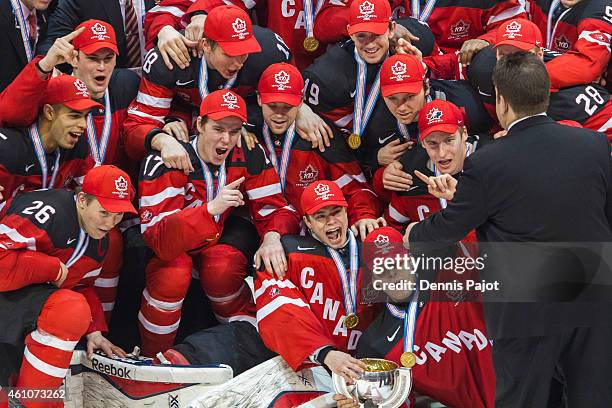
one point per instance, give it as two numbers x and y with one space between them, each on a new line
442 127
291 99
525 46
376 28
225 114
94 47
325 203
236 48
405 87
116 206
82 104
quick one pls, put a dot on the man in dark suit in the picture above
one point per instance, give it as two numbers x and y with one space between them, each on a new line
23 24
541 183
126 17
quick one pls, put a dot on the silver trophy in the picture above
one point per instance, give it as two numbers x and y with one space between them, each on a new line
384 384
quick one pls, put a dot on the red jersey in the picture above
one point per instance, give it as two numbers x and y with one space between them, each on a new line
173 214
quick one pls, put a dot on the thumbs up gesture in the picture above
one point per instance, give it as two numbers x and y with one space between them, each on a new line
229 196
61 51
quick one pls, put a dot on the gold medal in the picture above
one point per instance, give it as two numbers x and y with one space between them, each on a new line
351 321
310 44
354 141
408 359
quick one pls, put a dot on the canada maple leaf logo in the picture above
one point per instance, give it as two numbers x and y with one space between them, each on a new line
99 32
366 9
322 191
230 100
282 78
81 88
434 115
121 185
240 28
399 71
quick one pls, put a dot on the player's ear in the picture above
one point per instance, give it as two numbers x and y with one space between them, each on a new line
74 62
200 122
464 134
48 112
392 29
307 222
258 99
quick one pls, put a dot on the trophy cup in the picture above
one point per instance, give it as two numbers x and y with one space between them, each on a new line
383 384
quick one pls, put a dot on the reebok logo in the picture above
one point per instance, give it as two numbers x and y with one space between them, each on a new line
110 369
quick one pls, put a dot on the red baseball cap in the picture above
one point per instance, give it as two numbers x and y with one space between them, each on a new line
385 239
281 82
71 92
401 73
223 103
321 194
371 16
520 33
96 36
439 116
232 29
111 186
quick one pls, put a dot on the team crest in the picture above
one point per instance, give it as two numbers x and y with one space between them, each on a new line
562 43
99 32
121 185
81 88
282 79
399 71
434 116
367 11
382 244
322 191
231 101
460 29
308 175
513 30
240 26
274 292
146 216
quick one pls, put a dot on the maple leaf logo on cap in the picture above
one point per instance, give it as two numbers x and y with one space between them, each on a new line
322 191
282 79
240 26
382 243
434 115
121 185
99 32
231 101
366 9
399 71
81 88
513 30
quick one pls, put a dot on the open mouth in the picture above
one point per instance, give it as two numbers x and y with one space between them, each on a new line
75 135
100 79
279 122
333 234
444 163
220 151
371 53
232 72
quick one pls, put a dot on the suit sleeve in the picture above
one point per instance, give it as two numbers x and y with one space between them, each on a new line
63 20
168 228
282 309
20 100
467 211
500 12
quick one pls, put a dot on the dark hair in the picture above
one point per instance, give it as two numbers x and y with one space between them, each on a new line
521 78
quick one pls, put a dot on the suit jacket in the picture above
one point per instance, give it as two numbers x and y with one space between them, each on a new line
70 13
13 53
542 183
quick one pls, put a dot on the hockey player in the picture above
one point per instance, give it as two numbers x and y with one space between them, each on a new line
319 301
183 217
52 244
280 95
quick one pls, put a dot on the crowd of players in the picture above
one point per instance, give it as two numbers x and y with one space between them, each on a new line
284 145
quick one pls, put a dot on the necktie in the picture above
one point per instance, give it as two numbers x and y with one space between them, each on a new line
131 35
32 28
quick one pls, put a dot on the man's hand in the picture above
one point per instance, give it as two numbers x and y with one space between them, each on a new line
173 45
345 402
172 152
61 51
393 151
406 238
1 196
195 32
62 275
442 186
96 341
229 196
500 134
311 127
394 179
366 225
249 138
178 129
344 365
272 254
471 48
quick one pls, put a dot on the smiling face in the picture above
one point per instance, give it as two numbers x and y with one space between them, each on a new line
405 106
93 218
372 47
329 225
218 138
278 115
65 126
96 70
447 151
218 60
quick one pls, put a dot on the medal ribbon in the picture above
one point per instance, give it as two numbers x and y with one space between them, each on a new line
98 150
403 129
282 166
203 80
42 157
549 21
409 319
80 248
361 113
25 29
349 284
208 178
309 16
422 16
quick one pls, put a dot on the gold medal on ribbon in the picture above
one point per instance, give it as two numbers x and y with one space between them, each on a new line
354 141
351 321
311 44
408 359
